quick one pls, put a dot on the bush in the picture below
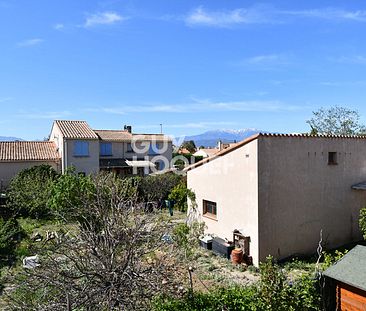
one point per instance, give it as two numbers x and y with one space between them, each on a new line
68 193
180 194
29 191
274 292
362 222
156 188
229 299
10 235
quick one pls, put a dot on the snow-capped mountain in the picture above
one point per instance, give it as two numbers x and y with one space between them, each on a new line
6 138
210 138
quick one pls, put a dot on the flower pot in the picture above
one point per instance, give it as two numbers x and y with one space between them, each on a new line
237 256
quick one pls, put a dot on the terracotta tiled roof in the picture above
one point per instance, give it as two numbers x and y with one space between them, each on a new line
114 135
28 151
254 137
75 129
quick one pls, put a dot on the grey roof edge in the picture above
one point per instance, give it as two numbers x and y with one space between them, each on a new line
338 271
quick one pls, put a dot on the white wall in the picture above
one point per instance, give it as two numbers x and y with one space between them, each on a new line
232 182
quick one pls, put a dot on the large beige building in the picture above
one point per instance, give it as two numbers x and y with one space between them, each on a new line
282 190
76 144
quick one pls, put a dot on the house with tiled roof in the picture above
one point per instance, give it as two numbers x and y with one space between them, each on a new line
281 191
18 155
76 144
121 151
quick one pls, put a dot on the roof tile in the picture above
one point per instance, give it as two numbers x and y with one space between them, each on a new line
28 151
75 129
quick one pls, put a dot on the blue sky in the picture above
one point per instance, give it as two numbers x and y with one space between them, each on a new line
190 65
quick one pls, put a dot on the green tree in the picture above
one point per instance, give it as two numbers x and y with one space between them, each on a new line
29 191
189 145
336 121
180 194
68 193
156 188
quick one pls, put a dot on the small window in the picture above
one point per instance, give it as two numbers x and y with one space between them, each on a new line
209 208
332 158
81 149
105 149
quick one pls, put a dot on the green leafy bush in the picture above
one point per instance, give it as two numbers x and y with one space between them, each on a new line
29 191
10 235
274 292
362 222
231 299
68 192
180 194
156 188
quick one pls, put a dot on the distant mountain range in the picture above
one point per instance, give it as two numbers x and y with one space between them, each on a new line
6 138
210 138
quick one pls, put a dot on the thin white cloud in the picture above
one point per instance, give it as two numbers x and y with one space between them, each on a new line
200 105
58 26
354 59
51 115
200 125
343 83
30 42
264 62
264 14
227 18
330 14
103 18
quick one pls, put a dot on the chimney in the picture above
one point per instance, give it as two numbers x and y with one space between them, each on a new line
220 145
128 128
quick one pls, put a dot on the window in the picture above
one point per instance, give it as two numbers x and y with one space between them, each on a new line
81 148
332 158
209 209
154 148
105 149
129 147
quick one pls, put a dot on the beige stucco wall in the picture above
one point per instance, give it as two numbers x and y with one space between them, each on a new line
89 164
300 194
232 182
9 169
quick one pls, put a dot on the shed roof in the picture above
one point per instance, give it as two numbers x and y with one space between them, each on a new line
351 269
28 151
75 129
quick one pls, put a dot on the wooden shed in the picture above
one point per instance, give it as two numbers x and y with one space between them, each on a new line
346 282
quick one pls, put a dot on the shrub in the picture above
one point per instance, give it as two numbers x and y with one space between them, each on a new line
362 222
29 191
10 235
229 299
180 194
156 188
